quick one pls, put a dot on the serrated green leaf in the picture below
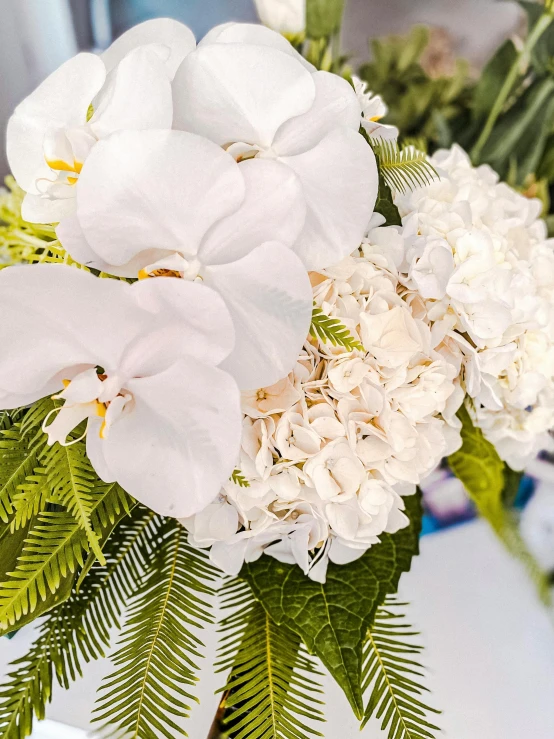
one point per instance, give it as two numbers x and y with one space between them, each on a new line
332 618
323 17
403 169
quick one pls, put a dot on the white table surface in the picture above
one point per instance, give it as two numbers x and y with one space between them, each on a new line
489 647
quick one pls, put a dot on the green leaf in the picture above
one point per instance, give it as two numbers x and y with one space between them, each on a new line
332 618
53 551
385 204
323 17
485 477
80 628
392 673
271 687
159 646
492 78
18 459
331 331
239 479
521 133
403 169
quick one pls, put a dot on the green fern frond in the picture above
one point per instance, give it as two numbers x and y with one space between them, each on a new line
52 553
332 331
393 674
18 458
159 645
239 479
32 498
79 629
271 688
403 169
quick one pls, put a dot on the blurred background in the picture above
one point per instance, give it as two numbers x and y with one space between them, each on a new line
36 36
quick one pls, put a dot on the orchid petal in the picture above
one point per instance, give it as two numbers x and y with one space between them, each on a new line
273 209
335 105
181 319
140 189
269 296
137 95
179 443
62 100
58 328
177 37
41 209
340 181
253 33
236 92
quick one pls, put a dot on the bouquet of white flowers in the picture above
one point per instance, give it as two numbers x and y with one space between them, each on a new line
241 325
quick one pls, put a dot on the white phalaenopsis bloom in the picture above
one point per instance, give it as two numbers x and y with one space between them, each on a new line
140 362
329 451
170 202
52 132
373 109
477 259
285 16
249 91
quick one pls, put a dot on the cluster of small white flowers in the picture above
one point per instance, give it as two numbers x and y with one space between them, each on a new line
329 451
478 263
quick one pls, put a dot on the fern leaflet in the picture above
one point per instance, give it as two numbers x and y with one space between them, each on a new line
403 169
159 643
332 331
78 629
392 674
271 688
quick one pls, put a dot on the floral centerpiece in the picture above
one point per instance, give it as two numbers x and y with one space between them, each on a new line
242 324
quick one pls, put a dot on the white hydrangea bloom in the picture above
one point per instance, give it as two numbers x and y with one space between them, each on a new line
330 451
478 261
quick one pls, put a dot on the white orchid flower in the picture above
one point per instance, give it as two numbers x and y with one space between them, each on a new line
247 89
159 202
52 131
285 16
373 109
140 362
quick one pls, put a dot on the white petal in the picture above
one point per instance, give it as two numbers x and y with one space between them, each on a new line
145 189
62 100
137 95
269 296
273 210
340 181
178 39
340 554
40 209
235 92
73 240
95 449
335 105
180 319
229 557
252 33
54 317
179 442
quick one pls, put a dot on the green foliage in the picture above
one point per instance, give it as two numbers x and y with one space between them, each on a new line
239 479
60 513
323 18
272 685
393 675
332 618
159 644
79 629
492 79
426 100
403 169
488 481
332 331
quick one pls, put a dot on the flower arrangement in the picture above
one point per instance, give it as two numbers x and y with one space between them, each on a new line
243 324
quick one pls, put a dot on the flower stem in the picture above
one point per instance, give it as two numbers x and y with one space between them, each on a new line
540 27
